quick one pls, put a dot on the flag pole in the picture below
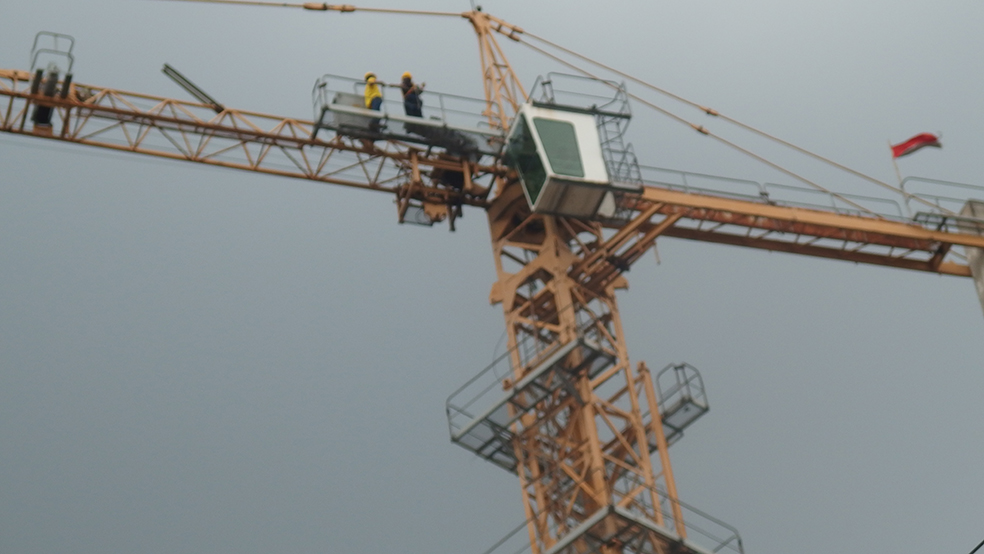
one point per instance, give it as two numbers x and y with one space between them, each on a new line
905 195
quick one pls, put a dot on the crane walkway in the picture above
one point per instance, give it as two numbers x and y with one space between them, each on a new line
784 218
704 534
457 124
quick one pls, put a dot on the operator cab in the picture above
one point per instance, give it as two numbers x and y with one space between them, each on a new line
564 166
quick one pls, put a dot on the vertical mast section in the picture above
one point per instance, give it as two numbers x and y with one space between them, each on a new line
584 426
586 435
503 91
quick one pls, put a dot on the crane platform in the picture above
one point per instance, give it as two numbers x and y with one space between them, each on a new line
483 421
637 533
457 124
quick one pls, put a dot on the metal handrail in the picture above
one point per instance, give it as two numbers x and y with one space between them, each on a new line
35 51
978 188
771 193
898 214
719 542
444 101
526 359
547 82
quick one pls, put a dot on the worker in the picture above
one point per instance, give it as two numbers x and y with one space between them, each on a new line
412 103
374 96
373 99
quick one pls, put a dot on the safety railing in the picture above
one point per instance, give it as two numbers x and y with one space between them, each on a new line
482 412
50 46
593 95
945 195
682 398
842 203
704 534
450 113
801 197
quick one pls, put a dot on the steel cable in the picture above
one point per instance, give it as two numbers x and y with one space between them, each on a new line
715 113
704 131
318 6
517 34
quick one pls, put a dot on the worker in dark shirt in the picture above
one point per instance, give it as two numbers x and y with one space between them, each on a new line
412 104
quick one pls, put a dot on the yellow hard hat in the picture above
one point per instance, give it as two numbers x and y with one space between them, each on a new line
370 75
406 75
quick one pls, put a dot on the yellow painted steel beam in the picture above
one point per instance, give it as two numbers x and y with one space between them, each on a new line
561 292
945 268
236 139
805 221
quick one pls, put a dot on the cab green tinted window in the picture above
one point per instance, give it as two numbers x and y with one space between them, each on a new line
521 154
560 143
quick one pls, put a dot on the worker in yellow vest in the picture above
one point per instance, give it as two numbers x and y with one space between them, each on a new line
374 97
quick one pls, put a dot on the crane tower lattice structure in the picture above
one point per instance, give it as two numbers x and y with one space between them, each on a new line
582 427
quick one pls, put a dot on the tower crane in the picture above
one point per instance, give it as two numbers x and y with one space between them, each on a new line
585 430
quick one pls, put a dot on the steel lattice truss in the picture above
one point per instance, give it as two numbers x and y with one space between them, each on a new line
235 139
586 432
813 232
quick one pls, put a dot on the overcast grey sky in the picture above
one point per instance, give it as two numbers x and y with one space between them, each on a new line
195 360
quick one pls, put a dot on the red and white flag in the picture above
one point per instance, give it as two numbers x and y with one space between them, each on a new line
915 143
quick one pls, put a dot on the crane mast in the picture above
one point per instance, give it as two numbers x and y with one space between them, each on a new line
587 438
580 425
